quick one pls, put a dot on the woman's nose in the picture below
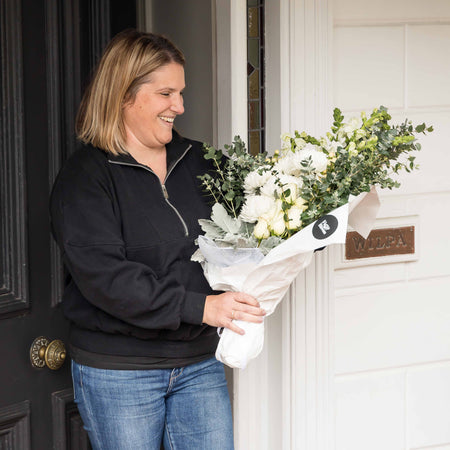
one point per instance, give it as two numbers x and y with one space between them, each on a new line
178 104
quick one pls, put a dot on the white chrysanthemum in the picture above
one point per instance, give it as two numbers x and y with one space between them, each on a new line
254 181
271 188
319 160
257 206
285 164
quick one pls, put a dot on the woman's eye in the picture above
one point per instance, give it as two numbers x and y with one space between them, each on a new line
166 94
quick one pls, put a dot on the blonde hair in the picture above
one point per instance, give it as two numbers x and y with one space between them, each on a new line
126 64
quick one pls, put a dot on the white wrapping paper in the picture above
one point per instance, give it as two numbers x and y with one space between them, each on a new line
268 278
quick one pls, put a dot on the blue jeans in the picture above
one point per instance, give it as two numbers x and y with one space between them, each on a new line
186 408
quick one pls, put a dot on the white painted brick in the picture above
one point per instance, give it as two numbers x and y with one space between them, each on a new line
435 447
434 211
368 67
370 412
431 242
428 65
392 326
356 277
428 410
390 10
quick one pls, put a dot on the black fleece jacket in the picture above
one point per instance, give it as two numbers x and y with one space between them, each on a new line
126 240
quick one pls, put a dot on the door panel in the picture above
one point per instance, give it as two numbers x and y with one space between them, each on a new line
47 51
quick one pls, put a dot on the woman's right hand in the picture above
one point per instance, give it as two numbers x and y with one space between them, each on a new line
221 310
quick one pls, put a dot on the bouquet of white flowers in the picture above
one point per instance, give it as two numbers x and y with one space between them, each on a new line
271 213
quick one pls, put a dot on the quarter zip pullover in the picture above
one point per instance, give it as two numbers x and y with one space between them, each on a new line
163 185
126 240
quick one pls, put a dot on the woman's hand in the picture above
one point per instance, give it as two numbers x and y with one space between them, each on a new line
221 310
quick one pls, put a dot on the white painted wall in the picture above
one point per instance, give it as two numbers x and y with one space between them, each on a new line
392 318
358 355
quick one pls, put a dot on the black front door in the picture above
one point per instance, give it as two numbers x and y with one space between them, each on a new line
47 51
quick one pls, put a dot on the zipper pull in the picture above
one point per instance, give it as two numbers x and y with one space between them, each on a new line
165 193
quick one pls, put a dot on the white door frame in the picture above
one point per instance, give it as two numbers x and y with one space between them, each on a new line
284 397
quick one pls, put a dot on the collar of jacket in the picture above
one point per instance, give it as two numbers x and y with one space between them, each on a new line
175 149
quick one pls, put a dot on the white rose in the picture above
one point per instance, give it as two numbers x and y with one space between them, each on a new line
285 141
319 160
293 191
300 203
350 127
289 179
278 226
273 214
300 143
312 147
294 218
261 230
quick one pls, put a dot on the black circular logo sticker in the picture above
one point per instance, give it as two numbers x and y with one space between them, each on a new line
325 227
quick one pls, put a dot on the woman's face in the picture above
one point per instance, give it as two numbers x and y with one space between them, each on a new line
149 119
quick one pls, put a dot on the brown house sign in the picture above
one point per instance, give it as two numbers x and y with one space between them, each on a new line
380 242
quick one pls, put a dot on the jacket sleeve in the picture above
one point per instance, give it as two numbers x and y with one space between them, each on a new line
88 231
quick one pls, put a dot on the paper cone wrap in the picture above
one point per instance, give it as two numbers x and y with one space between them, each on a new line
267 278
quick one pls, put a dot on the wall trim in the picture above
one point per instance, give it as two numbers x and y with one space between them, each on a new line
284 397
308 347
231 39
390 22
298 86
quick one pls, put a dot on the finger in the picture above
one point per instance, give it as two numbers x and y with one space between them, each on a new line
239 315
233 327
250 309
242 297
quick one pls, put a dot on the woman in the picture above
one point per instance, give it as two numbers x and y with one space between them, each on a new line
125 212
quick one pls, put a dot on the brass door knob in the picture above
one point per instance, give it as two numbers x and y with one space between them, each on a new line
45 353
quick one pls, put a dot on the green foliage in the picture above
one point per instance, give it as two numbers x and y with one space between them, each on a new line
358 154
226 183
364 157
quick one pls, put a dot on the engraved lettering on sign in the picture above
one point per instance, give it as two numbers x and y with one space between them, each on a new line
380 242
